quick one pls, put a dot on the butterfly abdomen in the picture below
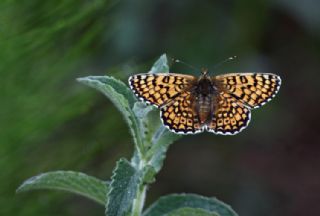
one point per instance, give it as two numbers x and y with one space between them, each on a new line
204 92
204 107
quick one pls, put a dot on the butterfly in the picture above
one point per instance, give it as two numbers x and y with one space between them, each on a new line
219 104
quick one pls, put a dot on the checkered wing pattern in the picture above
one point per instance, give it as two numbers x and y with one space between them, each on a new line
179 115
231 116
253 89
161 88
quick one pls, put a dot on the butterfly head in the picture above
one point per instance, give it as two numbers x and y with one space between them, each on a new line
204 73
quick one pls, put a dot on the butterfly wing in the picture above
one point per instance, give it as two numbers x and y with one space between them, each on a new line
179 116
253 89
231 116
159 89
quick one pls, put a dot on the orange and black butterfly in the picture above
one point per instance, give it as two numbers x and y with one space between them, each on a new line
220 104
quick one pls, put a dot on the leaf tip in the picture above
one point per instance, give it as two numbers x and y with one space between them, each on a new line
24 186
81 79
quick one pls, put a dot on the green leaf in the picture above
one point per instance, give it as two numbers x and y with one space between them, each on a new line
161 141
191 212
170 203
122 98
124 186
101 82
161 65
74 182
147 121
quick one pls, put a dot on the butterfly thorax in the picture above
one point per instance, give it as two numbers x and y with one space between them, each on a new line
204 93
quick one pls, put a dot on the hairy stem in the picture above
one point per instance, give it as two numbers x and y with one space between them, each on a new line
139 201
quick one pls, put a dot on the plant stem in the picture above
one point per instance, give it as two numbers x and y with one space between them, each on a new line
139 201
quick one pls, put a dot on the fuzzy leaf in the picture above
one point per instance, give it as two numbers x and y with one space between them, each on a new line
74 182
100 82
123 189
161 141
147 121
161 65
191 212
122 98
170 203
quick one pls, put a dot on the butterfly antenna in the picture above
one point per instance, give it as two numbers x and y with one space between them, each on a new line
184 63
224 61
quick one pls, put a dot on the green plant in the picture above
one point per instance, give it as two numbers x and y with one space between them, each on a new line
125 193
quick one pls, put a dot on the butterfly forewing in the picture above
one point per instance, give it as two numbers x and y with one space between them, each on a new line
179 115
253 89
230 117
161 88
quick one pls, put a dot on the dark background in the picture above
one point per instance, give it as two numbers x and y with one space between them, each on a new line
49 122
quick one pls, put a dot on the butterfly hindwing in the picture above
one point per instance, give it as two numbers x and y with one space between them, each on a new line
159 89
253 89
230 117
179 115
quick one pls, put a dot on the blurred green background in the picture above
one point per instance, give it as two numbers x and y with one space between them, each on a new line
50 122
